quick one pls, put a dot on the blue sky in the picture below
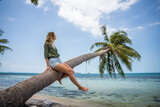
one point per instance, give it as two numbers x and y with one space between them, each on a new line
77 26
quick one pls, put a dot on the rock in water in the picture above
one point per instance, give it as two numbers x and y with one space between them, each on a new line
47 103
34 102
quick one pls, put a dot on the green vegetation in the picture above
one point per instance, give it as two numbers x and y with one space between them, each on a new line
35 2
2 47
118 50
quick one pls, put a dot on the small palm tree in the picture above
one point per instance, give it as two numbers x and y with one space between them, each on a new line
117 43
2 47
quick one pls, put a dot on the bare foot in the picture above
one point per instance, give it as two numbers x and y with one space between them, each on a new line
59 80
83 88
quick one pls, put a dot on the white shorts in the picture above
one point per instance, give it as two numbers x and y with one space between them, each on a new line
54 61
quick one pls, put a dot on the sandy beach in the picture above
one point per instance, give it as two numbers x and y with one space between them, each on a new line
62 102
66 101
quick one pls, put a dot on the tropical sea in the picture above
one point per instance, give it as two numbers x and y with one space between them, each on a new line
137 90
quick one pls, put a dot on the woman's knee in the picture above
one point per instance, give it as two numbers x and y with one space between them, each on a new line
70 71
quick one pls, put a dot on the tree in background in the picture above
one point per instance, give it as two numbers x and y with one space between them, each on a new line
117 43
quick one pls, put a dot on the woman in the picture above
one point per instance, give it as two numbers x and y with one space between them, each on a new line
53 61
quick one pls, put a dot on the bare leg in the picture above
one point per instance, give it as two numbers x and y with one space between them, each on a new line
64 75
62 68
73 79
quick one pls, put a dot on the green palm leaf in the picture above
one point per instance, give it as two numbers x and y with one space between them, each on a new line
35 2
120 38
108 64
98 44
1 32
104 33
102 67
3 48
118 67
4 41
136 54
125 59
99 49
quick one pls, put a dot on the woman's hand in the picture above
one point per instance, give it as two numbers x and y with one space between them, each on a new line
48 67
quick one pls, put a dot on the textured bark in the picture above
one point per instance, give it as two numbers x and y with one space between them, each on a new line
18 94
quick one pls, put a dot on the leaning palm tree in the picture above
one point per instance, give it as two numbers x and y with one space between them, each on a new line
2 47
17 95
117 43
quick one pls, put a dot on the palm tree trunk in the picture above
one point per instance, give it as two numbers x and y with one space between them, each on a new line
18 94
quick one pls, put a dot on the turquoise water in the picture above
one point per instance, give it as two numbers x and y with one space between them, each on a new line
138 89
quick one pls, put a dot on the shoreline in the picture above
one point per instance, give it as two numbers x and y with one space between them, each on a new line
38 99
66 101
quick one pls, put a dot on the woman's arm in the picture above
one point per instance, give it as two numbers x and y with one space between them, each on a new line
46 55
47 62
48 67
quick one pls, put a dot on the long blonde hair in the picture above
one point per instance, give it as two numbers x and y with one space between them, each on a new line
50 37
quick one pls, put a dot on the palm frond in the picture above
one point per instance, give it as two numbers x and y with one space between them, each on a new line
133 53
118 67
99 49
104 33
102 67
3 48
1 32
112 50
113 69
4 41
125 59
35 2
120 38
108 64
98 44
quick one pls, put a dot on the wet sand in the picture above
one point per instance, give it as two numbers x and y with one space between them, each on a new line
66 101
62 102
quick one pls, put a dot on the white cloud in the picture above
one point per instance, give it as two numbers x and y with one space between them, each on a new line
131 29
28 1
140 27
46 8
87 13
110 30
155 23
11 19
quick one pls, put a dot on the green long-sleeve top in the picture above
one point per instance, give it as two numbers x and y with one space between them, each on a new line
49 51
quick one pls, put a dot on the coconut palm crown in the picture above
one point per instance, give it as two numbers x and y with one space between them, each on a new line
118 50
